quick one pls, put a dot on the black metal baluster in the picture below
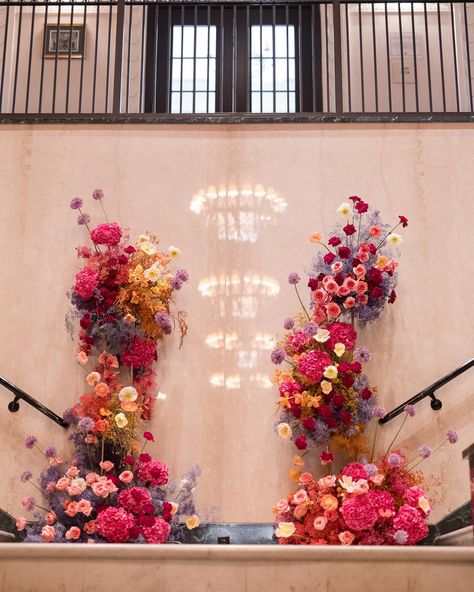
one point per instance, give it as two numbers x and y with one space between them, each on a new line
326 29
43 51
374 49
81 81
348 52
109 43
222 60
17 60
428 61
182 62
455 65
287 21
4 60
194 58
33 13
402 57
468 53
170 61
234 58
261 58
440 34
119 32
208 63
313 58
414 58
249 53
129 56
274 62
68 76
300 60
361 59
96 54
387 44
142 59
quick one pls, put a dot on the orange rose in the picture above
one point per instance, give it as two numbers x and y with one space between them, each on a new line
329 502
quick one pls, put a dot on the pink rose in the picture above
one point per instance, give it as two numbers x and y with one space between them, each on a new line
331 287
364 257
84 506
91 478
73 533
343 291
306 478
364 248
333 310
319 315
20 523
99 489
55 462
110 486
336 267
282 506
82 358
72 509
126 476
300 511
346 537
50 487
90 527
360 272
361 287
50 518
320 523
48 533
63 483
106 465
349 283
326 279
327 482
377 479
72 472
300 497
320 296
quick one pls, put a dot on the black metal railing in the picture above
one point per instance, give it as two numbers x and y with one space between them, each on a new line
429 391
20 395
142 60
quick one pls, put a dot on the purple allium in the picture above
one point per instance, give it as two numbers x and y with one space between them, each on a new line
164 322
362 355
176 284
76 203
278 355
371 469
98 194
378 412
289 323
424 451
26 476
181 275
83 219
50 451
28 503
400 537
310 329
86 424
394 459
410 410
70 417
452 436
30 441
293 278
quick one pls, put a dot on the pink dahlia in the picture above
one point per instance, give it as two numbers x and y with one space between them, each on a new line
358 513
154 472
314 364
113 524
86 282
410 520
296 343
341 333
134 499
107 234
140 353
355 470
157 533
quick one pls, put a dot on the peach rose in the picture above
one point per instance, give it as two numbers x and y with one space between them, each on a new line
192 522
91 478
319 314
72 472
300 511
89 527
107 359
320 296
48 533
349 283
50 518
306 478
20 523
82 359
364 257
346 537
295 475
361 287
282 506
331 287
73 533
333 310
126 476
91 439
106 465
298 461
102 389
63 483
99 489
360 271
84 506
377 479
300 496
349 302
343 291
55 461
74 490
110 486
320 523
174 508
329 502
72 509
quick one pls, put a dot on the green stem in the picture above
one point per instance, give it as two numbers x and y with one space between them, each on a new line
387 235
422 459
396 435
301 302
103 209
102 454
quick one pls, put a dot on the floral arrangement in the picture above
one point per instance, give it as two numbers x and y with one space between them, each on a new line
135 503
379 502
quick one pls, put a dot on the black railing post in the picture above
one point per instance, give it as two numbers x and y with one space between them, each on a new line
336 21
119 32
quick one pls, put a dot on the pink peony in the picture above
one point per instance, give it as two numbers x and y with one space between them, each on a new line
157 533
410 520
154 472
107 234
314 364
341 333
140 353
134 499
86 282
358 513
113 524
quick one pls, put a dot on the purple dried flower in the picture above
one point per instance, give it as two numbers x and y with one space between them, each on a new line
452 436
289 323
86 424
176 284
371 469
293 278
310 329
98 194
394 459
70 417
401 537
378 412
278 355
50 451
410 410
424 451
26 476
30 441
362 355
181 275
28 503
83 219
164 322
76 203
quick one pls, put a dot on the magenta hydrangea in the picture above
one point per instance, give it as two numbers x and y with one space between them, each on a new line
140 353
410 520
86 283
157 533
154 472
107 234
313 364
113 524
134 499
359 513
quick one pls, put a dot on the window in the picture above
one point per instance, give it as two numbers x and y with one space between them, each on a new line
235 58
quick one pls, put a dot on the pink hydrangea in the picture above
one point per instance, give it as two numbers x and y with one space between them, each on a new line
341 333
412 498
290 387
358 513
157 533
314 364
107 234
297 343
113 524
86 282
410 520
355 470
154 472
134 499
140 353
380 500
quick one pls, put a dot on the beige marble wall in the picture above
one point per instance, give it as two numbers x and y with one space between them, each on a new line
150 175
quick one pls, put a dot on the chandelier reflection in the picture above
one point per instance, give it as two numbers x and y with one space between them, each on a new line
233 381
238 214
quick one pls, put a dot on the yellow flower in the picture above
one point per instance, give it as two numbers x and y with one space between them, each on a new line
382 262
345 209
152 274
284 431
331 372
326 387
314 237
148 247
285 529
174 251
322 335
339 349
121 420
394 239
298 461
192 522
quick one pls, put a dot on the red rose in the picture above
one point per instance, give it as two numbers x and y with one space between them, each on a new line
365 394
313 284
404 221
392 297
377 292
361 206
334 241
301 443
356 367
149 509
309 423
356 262
147 520
344 252
375 276
85 321
329 258
326 457
339 278
350 229
122 260
134 532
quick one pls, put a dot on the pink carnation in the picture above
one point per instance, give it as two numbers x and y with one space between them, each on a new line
113 524
154 472
107 234
140 353
410 520
314 364
341 333
86 282
134 499
158 533
296 343
358 513
355 470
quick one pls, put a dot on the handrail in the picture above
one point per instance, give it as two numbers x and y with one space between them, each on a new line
429 391
14 405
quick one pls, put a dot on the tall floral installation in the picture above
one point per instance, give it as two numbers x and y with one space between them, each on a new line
326 401
112 491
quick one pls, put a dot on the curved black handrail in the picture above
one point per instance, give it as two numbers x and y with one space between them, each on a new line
14 405
429 391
